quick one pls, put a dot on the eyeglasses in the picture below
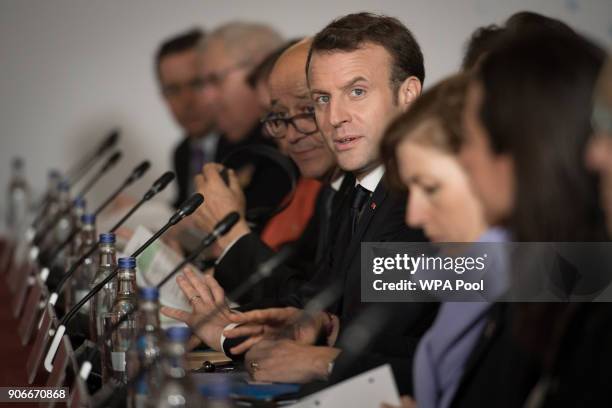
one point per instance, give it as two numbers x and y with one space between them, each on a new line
276 125
216 79
174 90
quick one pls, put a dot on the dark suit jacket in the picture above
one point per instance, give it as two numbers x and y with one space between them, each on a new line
182 169
500 372
249 251
395 339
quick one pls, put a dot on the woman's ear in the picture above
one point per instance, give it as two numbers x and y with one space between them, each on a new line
408 92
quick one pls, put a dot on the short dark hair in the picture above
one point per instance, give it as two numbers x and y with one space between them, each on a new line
262 71
523 21
536 108
353 31
182 42
482 41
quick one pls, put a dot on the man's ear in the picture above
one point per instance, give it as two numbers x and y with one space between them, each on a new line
408 92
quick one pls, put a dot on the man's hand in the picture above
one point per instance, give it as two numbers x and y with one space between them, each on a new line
289 361
287 322
219 200
207 299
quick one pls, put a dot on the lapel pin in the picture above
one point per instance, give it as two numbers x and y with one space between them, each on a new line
373 206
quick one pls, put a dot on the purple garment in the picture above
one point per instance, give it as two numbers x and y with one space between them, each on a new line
444 349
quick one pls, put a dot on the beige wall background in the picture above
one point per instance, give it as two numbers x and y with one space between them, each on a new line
70 69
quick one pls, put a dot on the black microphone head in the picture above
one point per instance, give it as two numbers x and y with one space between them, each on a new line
139 171
112 160
187 208
191 204
226 224
159 185
109 141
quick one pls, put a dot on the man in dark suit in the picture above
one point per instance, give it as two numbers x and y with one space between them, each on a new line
229 53
354 101
178 66
291 122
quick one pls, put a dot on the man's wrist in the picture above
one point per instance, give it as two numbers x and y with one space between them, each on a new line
324 360
222 336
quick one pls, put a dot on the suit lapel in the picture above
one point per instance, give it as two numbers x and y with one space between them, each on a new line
363 233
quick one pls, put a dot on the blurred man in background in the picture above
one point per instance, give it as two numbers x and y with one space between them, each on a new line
229 54
178 69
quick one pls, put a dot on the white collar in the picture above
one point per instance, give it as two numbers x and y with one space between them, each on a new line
371 180
335 185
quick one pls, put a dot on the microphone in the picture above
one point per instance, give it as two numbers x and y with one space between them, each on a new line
78 170
135 175
54 178
222 227
74 174
264 270
110 163
186 209
157 186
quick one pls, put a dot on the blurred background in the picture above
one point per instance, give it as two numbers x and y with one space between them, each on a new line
71 70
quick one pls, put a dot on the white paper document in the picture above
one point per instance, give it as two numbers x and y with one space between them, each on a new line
367 390
153 265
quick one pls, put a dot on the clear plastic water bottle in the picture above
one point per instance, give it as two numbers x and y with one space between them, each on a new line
177 389
145 350
18 200
62 221
81 280
53 179
126 300
103 301
72 251
51 207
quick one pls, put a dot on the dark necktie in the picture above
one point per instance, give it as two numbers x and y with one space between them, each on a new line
327 197
198 159
360 197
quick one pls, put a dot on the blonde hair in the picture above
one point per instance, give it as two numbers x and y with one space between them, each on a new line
245 41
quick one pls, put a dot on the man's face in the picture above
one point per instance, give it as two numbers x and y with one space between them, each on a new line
492 175
290 97
227 92
180 82
354 103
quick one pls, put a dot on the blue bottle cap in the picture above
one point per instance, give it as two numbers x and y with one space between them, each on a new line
63 185
178 333
149 293
107 238
88 218
79 202
127 263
